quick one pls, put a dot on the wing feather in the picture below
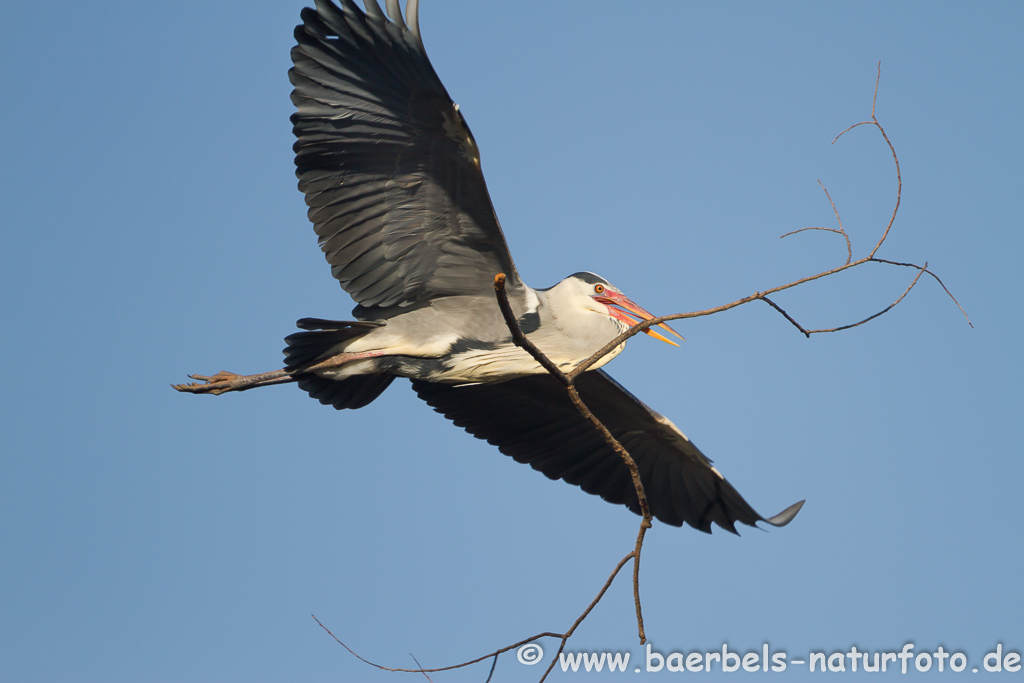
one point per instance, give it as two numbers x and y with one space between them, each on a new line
532 420
390 170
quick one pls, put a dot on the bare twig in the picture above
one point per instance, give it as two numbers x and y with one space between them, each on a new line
920 272
899 176
840 231
563 637
593 603
546 634
763 295
937 279
523 341
786 315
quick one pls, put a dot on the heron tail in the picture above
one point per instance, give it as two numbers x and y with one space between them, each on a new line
320 340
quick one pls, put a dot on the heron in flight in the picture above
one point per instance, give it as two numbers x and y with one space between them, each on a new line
391 175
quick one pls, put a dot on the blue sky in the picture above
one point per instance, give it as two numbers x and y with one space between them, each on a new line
152 228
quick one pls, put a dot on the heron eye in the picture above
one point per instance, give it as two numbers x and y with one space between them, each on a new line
599 289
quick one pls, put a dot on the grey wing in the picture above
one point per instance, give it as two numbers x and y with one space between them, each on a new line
532 420
390 170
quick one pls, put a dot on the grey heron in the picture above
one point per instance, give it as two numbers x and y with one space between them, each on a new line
392 178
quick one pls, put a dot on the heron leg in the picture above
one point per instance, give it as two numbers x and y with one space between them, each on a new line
225 381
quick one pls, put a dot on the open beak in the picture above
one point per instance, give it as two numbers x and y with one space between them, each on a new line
616 302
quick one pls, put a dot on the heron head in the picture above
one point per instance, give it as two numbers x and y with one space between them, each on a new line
604 297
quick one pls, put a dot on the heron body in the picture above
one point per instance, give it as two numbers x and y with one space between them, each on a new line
392 178
463 339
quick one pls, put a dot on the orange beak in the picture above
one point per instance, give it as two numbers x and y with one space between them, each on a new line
615 302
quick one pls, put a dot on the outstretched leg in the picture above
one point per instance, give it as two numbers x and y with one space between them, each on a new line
225 381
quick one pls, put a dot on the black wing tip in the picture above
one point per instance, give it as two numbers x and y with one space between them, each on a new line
787 515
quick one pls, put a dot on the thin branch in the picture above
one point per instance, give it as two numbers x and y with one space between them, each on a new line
813 227
593 603
840 231
763 295
786 315
563 637
899 176
524 342
937 279
546 634
920 272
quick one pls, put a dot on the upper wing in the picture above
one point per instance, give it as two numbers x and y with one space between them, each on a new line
533 420
389 168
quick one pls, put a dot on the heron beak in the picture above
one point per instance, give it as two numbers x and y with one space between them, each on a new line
615 302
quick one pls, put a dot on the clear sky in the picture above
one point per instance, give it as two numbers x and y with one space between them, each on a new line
152 228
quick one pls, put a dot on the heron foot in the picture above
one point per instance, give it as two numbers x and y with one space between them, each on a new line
225 381
220 383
